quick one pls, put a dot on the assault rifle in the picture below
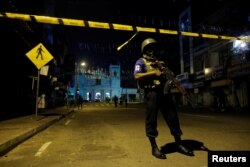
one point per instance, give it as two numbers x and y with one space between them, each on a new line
170 77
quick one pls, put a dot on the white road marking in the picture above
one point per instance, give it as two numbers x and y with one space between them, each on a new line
68 121
42 149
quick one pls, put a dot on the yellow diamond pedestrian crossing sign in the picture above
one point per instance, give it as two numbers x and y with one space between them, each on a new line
39 55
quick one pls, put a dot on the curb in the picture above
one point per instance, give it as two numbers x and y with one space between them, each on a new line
9 145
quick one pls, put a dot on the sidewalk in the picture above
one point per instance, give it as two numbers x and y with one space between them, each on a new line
17 130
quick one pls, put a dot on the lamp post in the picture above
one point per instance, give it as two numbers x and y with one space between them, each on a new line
82 64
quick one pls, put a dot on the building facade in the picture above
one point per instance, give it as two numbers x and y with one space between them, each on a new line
217 72
98 85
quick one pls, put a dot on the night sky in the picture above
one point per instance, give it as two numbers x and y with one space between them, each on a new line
98 46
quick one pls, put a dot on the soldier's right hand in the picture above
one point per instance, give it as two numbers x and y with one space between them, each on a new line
157 72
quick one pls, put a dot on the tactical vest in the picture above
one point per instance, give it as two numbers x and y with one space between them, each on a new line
152 82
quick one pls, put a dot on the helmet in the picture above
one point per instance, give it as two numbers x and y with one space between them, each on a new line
147 42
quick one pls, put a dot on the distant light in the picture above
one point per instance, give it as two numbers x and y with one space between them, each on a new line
243 44
83 64
207 71
107 94
239 44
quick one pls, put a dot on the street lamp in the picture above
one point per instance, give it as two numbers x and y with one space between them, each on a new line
77 73
83 64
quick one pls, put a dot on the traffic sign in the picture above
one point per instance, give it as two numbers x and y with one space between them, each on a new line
39 55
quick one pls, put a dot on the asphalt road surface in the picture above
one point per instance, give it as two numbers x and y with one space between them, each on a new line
104 136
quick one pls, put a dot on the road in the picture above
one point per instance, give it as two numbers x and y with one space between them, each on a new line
105 136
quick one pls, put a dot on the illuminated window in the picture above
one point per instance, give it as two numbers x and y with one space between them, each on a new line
98 96
107 94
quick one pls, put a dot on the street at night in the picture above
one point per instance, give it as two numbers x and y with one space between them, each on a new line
77 77
102 135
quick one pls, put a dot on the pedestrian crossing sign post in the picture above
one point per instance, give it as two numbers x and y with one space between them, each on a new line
40 56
